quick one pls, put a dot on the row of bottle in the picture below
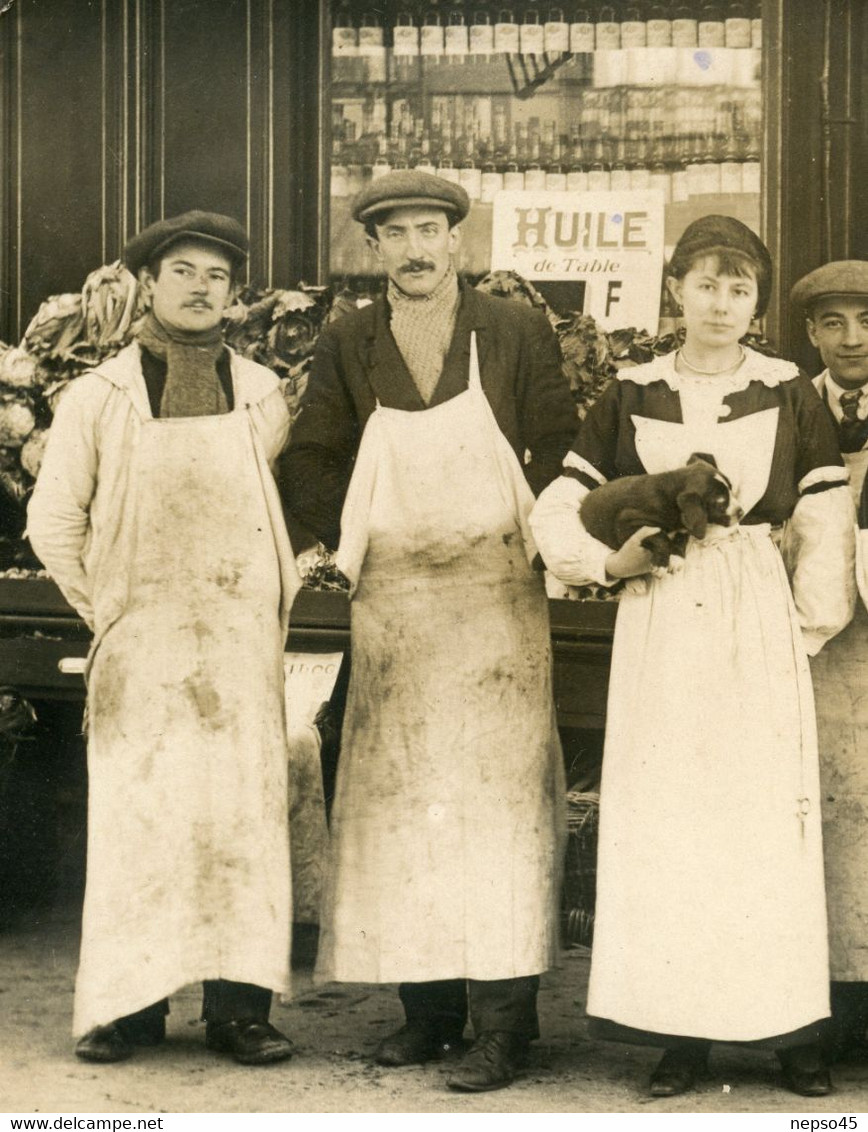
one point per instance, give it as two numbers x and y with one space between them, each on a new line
703 166
491 124
455 29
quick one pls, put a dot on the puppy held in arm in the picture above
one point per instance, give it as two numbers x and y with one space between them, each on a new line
680 503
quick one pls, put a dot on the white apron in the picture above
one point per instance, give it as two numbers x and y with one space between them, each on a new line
840 674
710 912
188 857
448 824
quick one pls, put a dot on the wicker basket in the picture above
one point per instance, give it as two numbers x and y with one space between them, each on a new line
580 871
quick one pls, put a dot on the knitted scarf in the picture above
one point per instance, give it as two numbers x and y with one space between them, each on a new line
192 386
422 327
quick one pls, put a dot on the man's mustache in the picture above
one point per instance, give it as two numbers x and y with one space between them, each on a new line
417 265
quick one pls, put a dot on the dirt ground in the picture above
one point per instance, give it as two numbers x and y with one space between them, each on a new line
335 1029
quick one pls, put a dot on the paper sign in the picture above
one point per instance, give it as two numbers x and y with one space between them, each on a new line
612 242
309 680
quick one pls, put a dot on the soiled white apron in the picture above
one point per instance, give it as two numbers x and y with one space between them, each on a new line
710 915
447 829
840 674
188 858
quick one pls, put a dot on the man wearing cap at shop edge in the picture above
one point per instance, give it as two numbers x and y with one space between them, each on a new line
834 300
430 419
157 515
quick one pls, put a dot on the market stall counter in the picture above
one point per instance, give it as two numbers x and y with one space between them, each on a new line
43 644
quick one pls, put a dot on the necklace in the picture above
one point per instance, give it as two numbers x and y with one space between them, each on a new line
712 372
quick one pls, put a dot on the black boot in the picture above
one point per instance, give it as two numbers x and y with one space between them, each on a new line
805 1071
678 1069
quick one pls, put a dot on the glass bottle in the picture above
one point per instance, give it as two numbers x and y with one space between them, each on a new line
678 172
711 178
581 29
534 174
598 172
607 30
750 170
658 25
684 25
737 24
338 182
556 174
659 176
577 174
372 45
556 30
491 181
456 39
619 174
506 32
345 42
481 33
513 175
470 177
756 24
432 40
532 32
711 29
446 163
405 29
634 28
730 165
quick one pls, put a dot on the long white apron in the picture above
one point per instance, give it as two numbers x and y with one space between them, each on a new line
448 825
188 855
840 674
710 914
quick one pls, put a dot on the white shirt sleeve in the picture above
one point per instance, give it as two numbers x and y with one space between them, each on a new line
570 553
58 516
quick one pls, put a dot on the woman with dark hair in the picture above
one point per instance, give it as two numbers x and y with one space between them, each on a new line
711 922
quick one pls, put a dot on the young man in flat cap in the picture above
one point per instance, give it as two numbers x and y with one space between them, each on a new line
430 419
834 300
157 515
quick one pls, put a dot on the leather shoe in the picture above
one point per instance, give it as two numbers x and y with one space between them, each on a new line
491 1062
676 1071
103 1043
804 1071
249 1041
414 1044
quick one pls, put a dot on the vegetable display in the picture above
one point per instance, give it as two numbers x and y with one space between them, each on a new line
72 333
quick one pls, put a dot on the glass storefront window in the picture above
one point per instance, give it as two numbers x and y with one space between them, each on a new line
571 97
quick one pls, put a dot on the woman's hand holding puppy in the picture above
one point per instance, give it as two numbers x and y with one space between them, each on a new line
633 558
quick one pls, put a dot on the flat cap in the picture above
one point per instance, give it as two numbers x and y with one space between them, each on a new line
713 234
408 188
212 227
841 277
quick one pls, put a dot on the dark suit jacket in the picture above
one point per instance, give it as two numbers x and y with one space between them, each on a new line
357 362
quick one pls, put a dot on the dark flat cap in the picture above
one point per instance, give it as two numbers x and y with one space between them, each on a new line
212 227
710 235
408 188
842 277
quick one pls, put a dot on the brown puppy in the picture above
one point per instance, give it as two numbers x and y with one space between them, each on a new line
683 501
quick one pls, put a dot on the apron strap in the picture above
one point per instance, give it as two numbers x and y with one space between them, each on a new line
474 381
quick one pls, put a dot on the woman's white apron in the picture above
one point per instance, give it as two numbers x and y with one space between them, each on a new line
840 674
710 916
447 829
188 858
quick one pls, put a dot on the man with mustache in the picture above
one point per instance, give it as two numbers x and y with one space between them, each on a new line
431 417
834 302
157 515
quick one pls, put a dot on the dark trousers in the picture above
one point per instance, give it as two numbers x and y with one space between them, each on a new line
493 1004
222 1001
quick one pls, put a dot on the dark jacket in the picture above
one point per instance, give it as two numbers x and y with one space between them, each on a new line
357 363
